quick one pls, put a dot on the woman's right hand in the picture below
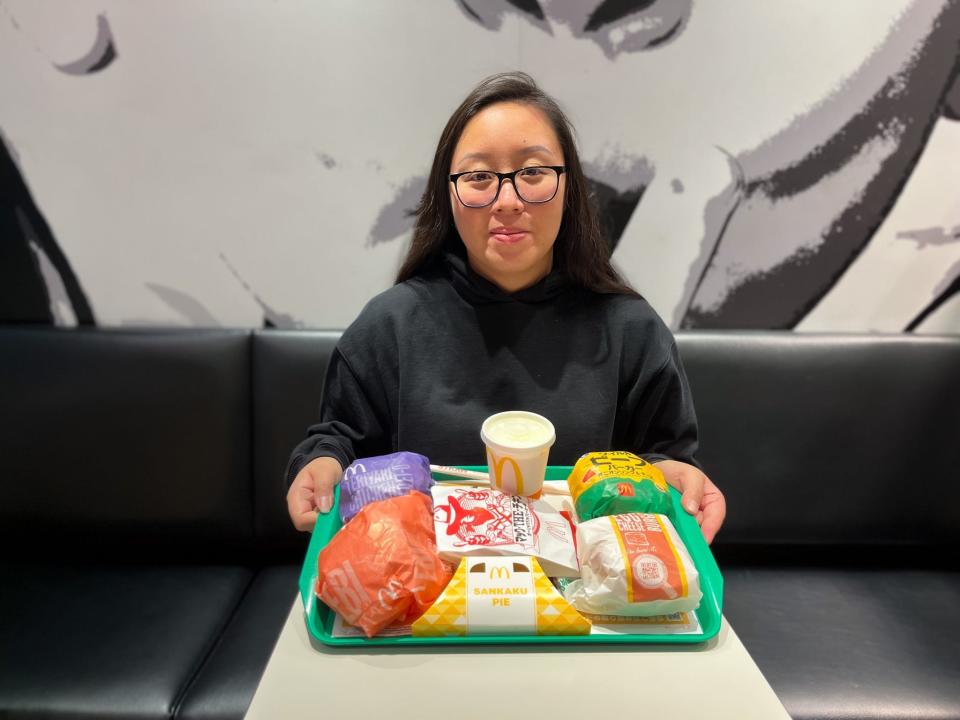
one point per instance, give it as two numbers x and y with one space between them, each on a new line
312 491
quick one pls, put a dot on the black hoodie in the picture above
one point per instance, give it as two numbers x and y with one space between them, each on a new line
429 359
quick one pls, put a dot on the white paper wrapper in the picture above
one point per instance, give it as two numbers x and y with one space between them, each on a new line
480 521
633 565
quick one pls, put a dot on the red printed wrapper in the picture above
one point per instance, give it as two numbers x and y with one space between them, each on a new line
634 565
472 521
382 566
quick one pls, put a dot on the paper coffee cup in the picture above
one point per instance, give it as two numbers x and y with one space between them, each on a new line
518 444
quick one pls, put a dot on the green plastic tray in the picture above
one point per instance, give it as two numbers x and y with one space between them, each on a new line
320 618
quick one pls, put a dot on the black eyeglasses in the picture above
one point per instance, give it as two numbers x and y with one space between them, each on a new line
479 188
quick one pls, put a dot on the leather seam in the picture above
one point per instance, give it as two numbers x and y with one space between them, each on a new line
199 666
252 438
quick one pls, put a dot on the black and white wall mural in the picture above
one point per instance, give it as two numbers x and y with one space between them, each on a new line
789 164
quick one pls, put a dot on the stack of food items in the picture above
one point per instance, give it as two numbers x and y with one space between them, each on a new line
382 566
632 560
507 547
450 560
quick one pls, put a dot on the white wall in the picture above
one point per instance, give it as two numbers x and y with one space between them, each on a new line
238 161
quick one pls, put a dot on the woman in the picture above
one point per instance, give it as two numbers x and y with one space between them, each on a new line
506 300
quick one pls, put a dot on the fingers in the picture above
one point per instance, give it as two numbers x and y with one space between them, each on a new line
312 490
712 520
687 479
714 511
300 503
306 521
691 485
699 496
326 473
323 492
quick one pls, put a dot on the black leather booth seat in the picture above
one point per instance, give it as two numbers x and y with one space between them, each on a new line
148 563
839 457
147 566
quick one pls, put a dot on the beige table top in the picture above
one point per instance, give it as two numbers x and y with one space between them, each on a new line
717 679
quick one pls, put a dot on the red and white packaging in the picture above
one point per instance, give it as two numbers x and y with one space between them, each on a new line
634 564
477 521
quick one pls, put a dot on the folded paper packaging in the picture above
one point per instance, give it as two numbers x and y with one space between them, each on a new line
500 596
484 521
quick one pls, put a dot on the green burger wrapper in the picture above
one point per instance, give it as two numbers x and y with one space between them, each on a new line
613 483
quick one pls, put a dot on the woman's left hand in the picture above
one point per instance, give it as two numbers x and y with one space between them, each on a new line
699 496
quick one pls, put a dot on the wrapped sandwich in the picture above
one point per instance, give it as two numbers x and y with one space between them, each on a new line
634 565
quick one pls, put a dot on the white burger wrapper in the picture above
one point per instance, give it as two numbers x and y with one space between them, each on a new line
635 565
480 521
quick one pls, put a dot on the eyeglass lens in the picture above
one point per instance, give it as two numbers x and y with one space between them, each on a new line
534 184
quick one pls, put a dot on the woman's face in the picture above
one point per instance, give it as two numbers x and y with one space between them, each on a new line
509 242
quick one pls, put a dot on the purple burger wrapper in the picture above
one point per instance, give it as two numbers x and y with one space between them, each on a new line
370 479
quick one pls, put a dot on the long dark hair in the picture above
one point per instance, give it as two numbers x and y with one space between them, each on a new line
580 250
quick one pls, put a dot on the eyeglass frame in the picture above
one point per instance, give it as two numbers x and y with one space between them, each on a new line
511 176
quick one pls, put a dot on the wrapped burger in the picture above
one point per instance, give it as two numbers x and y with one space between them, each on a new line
614 482
370 479
635 565
382 567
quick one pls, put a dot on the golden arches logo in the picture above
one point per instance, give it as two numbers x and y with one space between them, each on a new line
497 466
501 571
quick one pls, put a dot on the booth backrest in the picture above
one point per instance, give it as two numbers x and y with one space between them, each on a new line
830 439
815 439
288 370
124 443
174 442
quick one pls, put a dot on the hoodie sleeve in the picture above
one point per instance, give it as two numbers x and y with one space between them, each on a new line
352 422
658 413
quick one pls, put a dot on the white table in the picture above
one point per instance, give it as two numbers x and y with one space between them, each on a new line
717 679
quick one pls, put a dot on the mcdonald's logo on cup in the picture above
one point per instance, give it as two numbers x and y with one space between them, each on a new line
518 444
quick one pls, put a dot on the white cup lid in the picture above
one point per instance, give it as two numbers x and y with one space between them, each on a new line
518 430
